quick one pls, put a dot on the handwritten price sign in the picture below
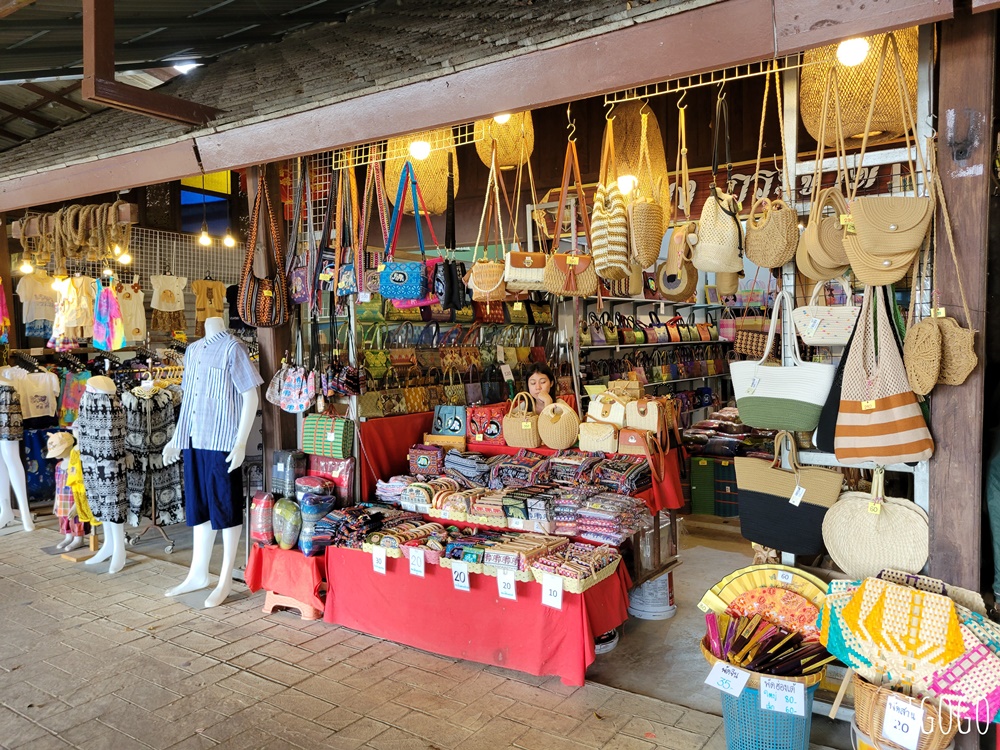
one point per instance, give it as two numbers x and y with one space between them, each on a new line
902 723
782 696
727 678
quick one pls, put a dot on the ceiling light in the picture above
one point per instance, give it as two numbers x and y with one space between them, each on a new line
183 68
203 239
26 266
117 250
229 240
124 259
420 150
501 119
852 52
108 272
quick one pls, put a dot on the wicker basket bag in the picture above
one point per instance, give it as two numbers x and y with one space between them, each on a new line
558 426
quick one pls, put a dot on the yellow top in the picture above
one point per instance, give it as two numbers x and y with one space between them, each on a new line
74 480
209 298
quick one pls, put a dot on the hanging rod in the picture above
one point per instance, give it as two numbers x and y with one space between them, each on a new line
711 78
363 153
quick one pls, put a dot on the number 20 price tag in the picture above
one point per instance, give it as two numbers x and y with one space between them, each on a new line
417 562
552 591
460 575
506 584
902 723
728 679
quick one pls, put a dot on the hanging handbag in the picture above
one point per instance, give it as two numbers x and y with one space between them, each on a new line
474 388
539 346
516 313
598 338
571 275
404 280
393 397
520 424
826 325
785 508
263 302
609 219
402 353
645 215
494 388
626 334
558 426
886 233
324 435
454 393
452 353
377 361
449 419
677 285
428 353
471 356
370 402
415 394
781 398
650 291
879 418
486 423
486 279
720 233
489 312
772 226
370 311
524 271
598 437
708 331
866 533
540 312
298 392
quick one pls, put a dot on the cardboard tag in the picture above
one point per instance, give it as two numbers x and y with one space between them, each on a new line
525 425
325 276
867 405
381 267
460 575
782 696
785 577
518 306
508 374
813 325
417 562
875 508
378 560
516 523
506 584
753 386
268 293
331 436
727 678
479 437
939 313
552 591
501 355
572 261
364 296
902 723
796 498
703 607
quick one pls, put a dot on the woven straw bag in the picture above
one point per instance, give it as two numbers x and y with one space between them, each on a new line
683 285
646 414
520 425
609 220
645 215
558 426
571 275
879 418
922 345
772 227
607 407
781 398
826 325
888 231
863 542
486 279
727 284
870 706
598 436
720 232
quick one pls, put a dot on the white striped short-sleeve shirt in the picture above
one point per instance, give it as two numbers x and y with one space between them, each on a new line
217 370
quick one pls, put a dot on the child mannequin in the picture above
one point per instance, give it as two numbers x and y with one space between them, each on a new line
60 445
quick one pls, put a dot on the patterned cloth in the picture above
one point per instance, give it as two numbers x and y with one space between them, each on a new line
109 328
168 322
217 370
65 498
74 478
101 430
10 414
74 384
38 329
149 423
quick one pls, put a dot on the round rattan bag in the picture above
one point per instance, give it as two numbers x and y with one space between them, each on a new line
922 356
558 426
683 285
772 233
866 533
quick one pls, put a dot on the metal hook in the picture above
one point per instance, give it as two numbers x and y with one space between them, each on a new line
930 124
722 89
644 109
571 127
611 108
684 93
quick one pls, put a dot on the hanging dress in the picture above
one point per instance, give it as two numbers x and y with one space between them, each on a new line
149 418
100 427
109 328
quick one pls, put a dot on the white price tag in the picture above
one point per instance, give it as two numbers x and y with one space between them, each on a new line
785 577
364 296
727 678
501 356
902 723
797 495
508 374
753 386
460 575
813 325
782 696
417 562
552 591
506 584
378 560
515 523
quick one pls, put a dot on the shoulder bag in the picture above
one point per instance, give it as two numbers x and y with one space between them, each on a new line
449 419
520 425
720 233
486 423
404 280
263 302
324 435
558 426
607 407
645 215
609 220
571 274
524 271
827 325
486 279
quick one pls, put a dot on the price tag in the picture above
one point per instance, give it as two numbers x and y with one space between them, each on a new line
331 436
364 296
785 577
939 313
325 276
867 405
516 523
902 723
381 267
506 584
782 696
460 575
501 355
525 425
508 374
874 508
796 498
573 260
753 386
378 560
417 562
813 325
479 437
703 607
727 678
552 591
518 306
268 293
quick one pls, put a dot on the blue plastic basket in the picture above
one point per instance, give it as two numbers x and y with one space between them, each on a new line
749 727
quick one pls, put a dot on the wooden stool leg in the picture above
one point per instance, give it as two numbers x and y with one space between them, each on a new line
275 601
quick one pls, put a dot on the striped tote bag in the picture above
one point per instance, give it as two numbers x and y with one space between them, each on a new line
879 418
609 221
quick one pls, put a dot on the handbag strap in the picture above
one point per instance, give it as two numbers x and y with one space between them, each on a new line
487 214
683 176
644 161
782 299
848 296
906 109
571 164
520 405
939 188
295 227
721 123
263 198
760 140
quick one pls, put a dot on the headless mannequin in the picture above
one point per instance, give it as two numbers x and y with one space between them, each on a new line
12 475
203 534
114 533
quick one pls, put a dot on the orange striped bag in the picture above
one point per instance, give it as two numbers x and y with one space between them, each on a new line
879 418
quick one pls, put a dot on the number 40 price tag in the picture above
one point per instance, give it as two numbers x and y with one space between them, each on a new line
902 723
727 678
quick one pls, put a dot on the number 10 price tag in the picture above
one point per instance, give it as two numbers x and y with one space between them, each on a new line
727 678
417 562
506 584
378 560
460 575
903 723
552 591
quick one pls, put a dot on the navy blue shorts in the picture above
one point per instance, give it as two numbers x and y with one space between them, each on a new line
211 491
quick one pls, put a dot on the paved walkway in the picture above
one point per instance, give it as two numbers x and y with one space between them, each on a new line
94 661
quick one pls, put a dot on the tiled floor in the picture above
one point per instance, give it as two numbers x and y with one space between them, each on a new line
94 661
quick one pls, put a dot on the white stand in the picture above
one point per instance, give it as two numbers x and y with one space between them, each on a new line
203 535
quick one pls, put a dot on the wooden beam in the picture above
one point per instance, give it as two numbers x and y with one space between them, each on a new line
12 6
57 96
967 60
26 114
8 288
981 6
99 84
10 136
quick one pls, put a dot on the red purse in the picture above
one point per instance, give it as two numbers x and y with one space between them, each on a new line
485 424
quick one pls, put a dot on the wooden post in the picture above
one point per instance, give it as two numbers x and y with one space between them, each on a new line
967 61
278 426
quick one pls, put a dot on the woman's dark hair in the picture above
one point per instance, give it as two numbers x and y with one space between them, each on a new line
544 369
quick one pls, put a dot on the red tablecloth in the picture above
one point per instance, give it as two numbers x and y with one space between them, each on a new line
476 625
385 444
287 572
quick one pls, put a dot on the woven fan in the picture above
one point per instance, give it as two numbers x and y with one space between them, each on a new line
780 607
763 576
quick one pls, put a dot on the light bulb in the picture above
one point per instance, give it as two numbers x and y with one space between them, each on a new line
108 272
117 250
229 240
627 183
26 266
852 52
501 119
204 239
420 150
124 259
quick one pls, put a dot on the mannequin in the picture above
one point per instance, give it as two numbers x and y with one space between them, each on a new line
11 467
60 446
114 531
225 366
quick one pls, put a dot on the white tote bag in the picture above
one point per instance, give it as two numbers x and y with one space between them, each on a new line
826 325
608 408
781 398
